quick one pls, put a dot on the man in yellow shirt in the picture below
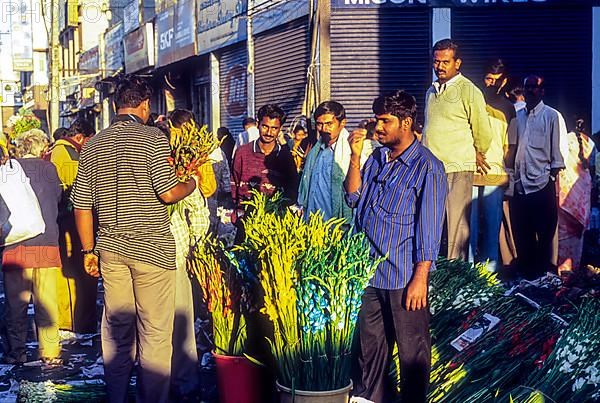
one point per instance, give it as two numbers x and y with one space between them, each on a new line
457 131
76 290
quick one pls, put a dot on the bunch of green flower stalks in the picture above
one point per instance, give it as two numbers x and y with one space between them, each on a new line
212 267
313 276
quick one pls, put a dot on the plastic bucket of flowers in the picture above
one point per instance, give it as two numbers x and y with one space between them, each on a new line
312 276
222 291
287 395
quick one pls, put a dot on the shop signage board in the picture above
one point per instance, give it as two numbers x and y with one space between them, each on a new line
113 55
279 14
176 33
22 36
139 48
456 3
220 23
131 16
89 61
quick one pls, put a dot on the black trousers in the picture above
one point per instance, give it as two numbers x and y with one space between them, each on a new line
534 219
383 321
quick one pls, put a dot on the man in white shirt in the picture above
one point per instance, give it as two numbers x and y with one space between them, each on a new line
249 134
537 163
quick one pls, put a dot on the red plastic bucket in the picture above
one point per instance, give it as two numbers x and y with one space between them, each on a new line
238 380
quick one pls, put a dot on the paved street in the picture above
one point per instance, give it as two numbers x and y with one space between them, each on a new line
82 364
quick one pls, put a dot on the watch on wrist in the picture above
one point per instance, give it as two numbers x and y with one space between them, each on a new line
88 252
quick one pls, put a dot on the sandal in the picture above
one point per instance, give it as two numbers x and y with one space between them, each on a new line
48 362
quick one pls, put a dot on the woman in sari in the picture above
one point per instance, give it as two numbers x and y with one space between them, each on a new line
574 187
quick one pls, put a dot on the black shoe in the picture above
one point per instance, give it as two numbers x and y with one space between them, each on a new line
11 359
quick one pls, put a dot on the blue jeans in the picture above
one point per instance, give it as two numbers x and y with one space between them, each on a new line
486 216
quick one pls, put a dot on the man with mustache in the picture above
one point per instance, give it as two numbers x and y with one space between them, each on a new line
264 164
457 131
321 185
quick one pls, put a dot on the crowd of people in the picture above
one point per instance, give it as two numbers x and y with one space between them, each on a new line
493 176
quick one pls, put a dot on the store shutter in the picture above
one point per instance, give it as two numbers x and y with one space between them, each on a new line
555 42
281 58
378 50
233 89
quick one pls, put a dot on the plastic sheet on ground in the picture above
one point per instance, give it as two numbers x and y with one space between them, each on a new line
83 339
10 395
94 370
5 368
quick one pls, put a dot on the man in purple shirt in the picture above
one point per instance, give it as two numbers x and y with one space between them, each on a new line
400 198
264 164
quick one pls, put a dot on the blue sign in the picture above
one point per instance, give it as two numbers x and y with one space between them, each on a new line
221 23
455 3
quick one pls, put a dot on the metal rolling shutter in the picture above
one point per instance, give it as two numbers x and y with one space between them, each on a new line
281 61
375 51
555 42
234 57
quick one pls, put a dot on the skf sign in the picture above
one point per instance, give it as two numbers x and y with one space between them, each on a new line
166 38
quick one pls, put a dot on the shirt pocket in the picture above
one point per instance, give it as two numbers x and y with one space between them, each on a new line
399 226
397 199
538 142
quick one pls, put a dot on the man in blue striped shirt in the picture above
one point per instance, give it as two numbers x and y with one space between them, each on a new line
400 198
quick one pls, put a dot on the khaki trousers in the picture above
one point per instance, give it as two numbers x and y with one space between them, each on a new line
458 213
139 305
20 286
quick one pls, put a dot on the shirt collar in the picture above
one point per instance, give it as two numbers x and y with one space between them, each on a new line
128 117
406 157
256 148
439 88
538 108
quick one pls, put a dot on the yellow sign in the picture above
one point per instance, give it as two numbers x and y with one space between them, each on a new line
72 13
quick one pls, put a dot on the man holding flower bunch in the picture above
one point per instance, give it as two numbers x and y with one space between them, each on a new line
124 176
400 198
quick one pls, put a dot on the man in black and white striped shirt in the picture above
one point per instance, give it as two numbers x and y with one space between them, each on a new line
125 178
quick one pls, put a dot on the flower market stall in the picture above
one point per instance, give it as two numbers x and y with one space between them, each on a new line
538 341
493 344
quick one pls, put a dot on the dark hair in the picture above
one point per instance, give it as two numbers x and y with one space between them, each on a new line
447 44
271 111
299 127
248 120
223 132
496 66
180 116
539 79
370 127
398 103
131 92
514 93
81 126
59 133
332 107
